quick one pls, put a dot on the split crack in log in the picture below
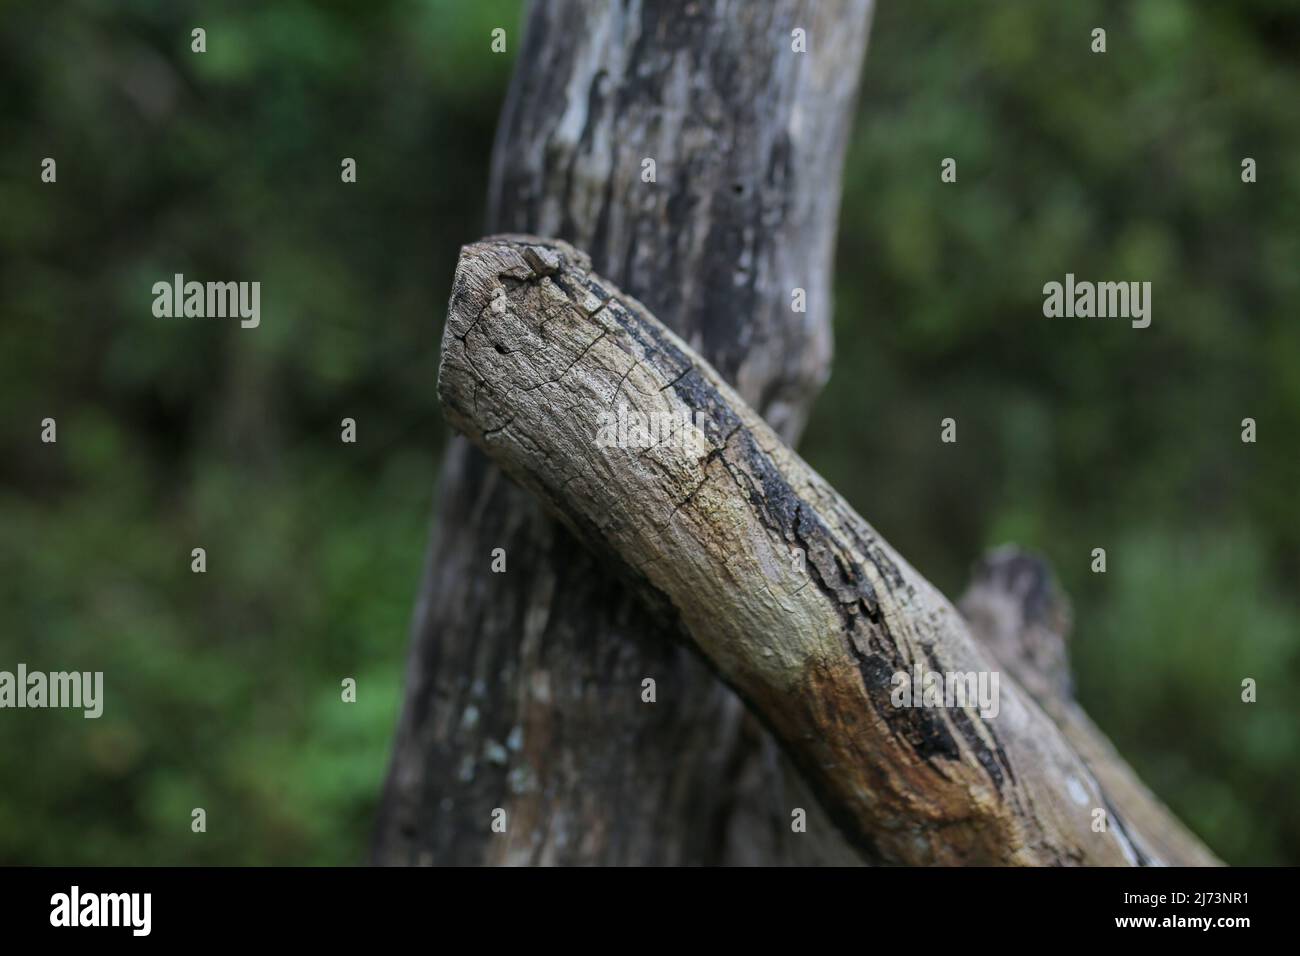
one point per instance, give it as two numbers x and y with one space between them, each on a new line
537 348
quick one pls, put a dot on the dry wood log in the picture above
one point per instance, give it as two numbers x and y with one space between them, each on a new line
1016 611
734 542
523 688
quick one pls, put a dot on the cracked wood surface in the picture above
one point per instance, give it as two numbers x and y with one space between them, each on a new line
537 347
523 688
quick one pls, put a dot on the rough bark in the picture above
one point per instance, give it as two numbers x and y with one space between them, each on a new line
524 688
1016 611
730 538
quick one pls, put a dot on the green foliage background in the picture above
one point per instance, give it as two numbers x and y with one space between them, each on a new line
223 689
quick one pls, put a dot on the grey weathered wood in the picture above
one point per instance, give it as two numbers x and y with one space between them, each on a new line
792 597
523 688
1016 611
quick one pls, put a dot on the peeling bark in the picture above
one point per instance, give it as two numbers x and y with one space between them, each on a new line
730 539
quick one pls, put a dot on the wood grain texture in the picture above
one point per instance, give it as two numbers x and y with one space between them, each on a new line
523 688
537 352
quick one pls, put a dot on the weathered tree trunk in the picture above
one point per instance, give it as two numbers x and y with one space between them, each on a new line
524 687
728 536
